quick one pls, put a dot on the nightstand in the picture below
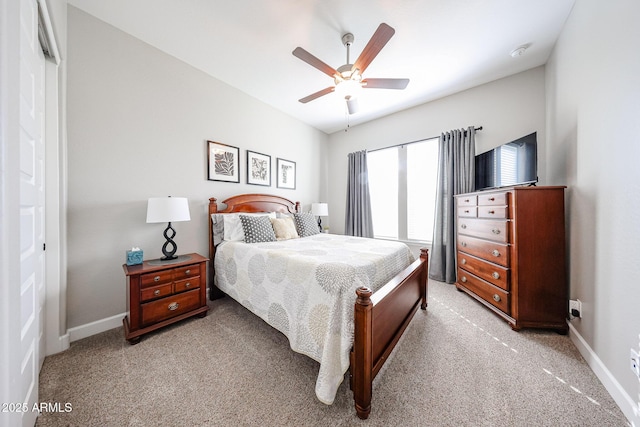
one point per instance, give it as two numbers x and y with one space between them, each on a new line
160 293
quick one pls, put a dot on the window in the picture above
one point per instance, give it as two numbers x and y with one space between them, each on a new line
402 183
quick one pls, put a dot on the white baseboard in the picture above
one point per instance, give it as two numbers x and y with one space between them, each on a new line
83 331
623 400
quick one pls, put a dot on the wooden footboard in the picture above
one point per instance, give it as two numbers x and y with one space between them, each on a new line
380 320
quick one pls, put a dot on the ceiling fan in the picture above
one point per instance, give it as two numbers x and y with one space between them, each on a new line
348 78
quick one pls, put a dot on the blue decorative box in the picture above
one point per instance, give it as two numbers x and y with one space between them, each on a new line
134 257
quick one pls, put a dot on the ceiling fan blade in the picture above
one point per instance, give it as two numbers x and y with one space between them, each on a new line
313 61
385 83
318 94
352 105
380 38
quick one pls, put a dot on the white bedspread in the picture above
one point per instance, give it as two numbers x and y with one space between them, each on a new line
305 288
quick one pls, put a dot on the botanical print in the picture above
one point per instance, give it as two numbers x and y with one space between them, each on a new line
258 168
286 174
224 162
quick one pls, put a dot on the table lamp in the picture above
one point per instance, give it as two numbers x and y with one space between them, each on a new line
168 209
319 209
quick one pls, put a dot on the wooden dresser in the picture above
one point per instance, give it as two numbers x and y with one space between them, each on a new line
511 254
159 294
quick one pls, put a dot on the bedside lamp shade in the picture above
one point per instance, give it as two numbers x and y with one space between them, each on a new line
168 209
320 209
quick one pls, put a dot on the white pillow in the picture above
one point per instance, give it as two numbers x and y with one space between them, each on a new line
233 231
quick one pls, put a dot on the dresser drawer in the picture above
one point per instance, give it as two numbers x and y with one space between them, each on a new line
485 290
491 251
186 272
492 199
470 200
492 273
171 306
154 279
186 284
484 228
467 212
492 212
156 292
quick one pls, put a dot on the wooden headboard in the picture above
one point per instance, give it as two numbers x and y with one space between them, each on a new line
244 203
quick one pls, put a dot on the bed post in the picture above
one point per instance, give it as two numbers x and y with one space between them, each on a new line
214 293
362 366
424 288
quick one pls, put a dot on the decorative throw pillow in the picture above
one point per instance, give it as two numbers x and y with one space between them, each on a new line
257 229
284 228
233 231
217 220
306 224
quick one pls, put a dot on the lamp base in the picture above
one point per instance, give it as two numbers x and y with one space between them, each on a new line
320 224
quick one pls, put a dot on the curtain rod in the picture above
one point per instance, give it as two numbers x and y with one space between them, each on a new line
413 142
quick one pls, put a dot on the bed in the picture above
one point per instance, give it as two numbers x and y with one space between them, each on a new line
344 315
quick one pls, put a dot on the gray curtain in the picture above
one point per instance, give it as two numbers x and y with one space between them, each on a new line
456 175
358 221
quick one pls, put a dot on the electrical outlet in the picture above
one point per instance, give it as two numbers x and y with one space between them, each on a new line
635 363
575 308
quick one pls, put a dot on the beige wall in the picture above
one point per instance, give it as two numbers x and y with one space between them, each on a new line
593 93
138 121
506 109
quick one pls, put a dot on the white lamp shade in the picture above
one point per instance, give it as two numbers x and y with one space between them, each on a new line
320 209
168 209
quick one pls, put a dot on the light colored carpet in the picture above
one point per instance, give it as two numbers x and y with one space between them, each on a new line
457 365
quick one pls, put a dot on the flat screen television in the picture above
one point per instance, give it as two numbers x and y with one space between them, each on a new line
513 163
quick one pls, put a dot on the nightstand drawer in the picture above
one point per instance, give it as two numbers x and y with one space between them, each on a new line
185 272
171 306
156 292
157 278
187 284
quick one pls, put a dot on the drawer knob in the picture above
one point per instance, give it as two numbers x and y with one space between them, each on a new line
495 231
463 244
496 297
156 279
463 279
463 261
491 212
188 284
173 306
187 272
495 252
491 199
466 200
496 275
156 292
463 226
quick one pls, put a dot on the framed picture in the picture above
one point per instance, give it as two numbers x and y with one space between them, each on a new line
224 162
258 169
286 170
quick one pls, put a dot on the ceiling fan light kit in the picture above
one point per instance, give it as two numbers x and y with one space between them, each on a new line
348 78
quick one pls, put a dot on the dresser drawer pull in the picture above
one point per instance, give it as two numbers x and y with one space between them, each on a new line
492 199
156 292
495 252
496 275
463 279
463 226
495 231
496 297
187 272
188 284
463 261
156 279
466 211
466 200
491 212
463 244
173 306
